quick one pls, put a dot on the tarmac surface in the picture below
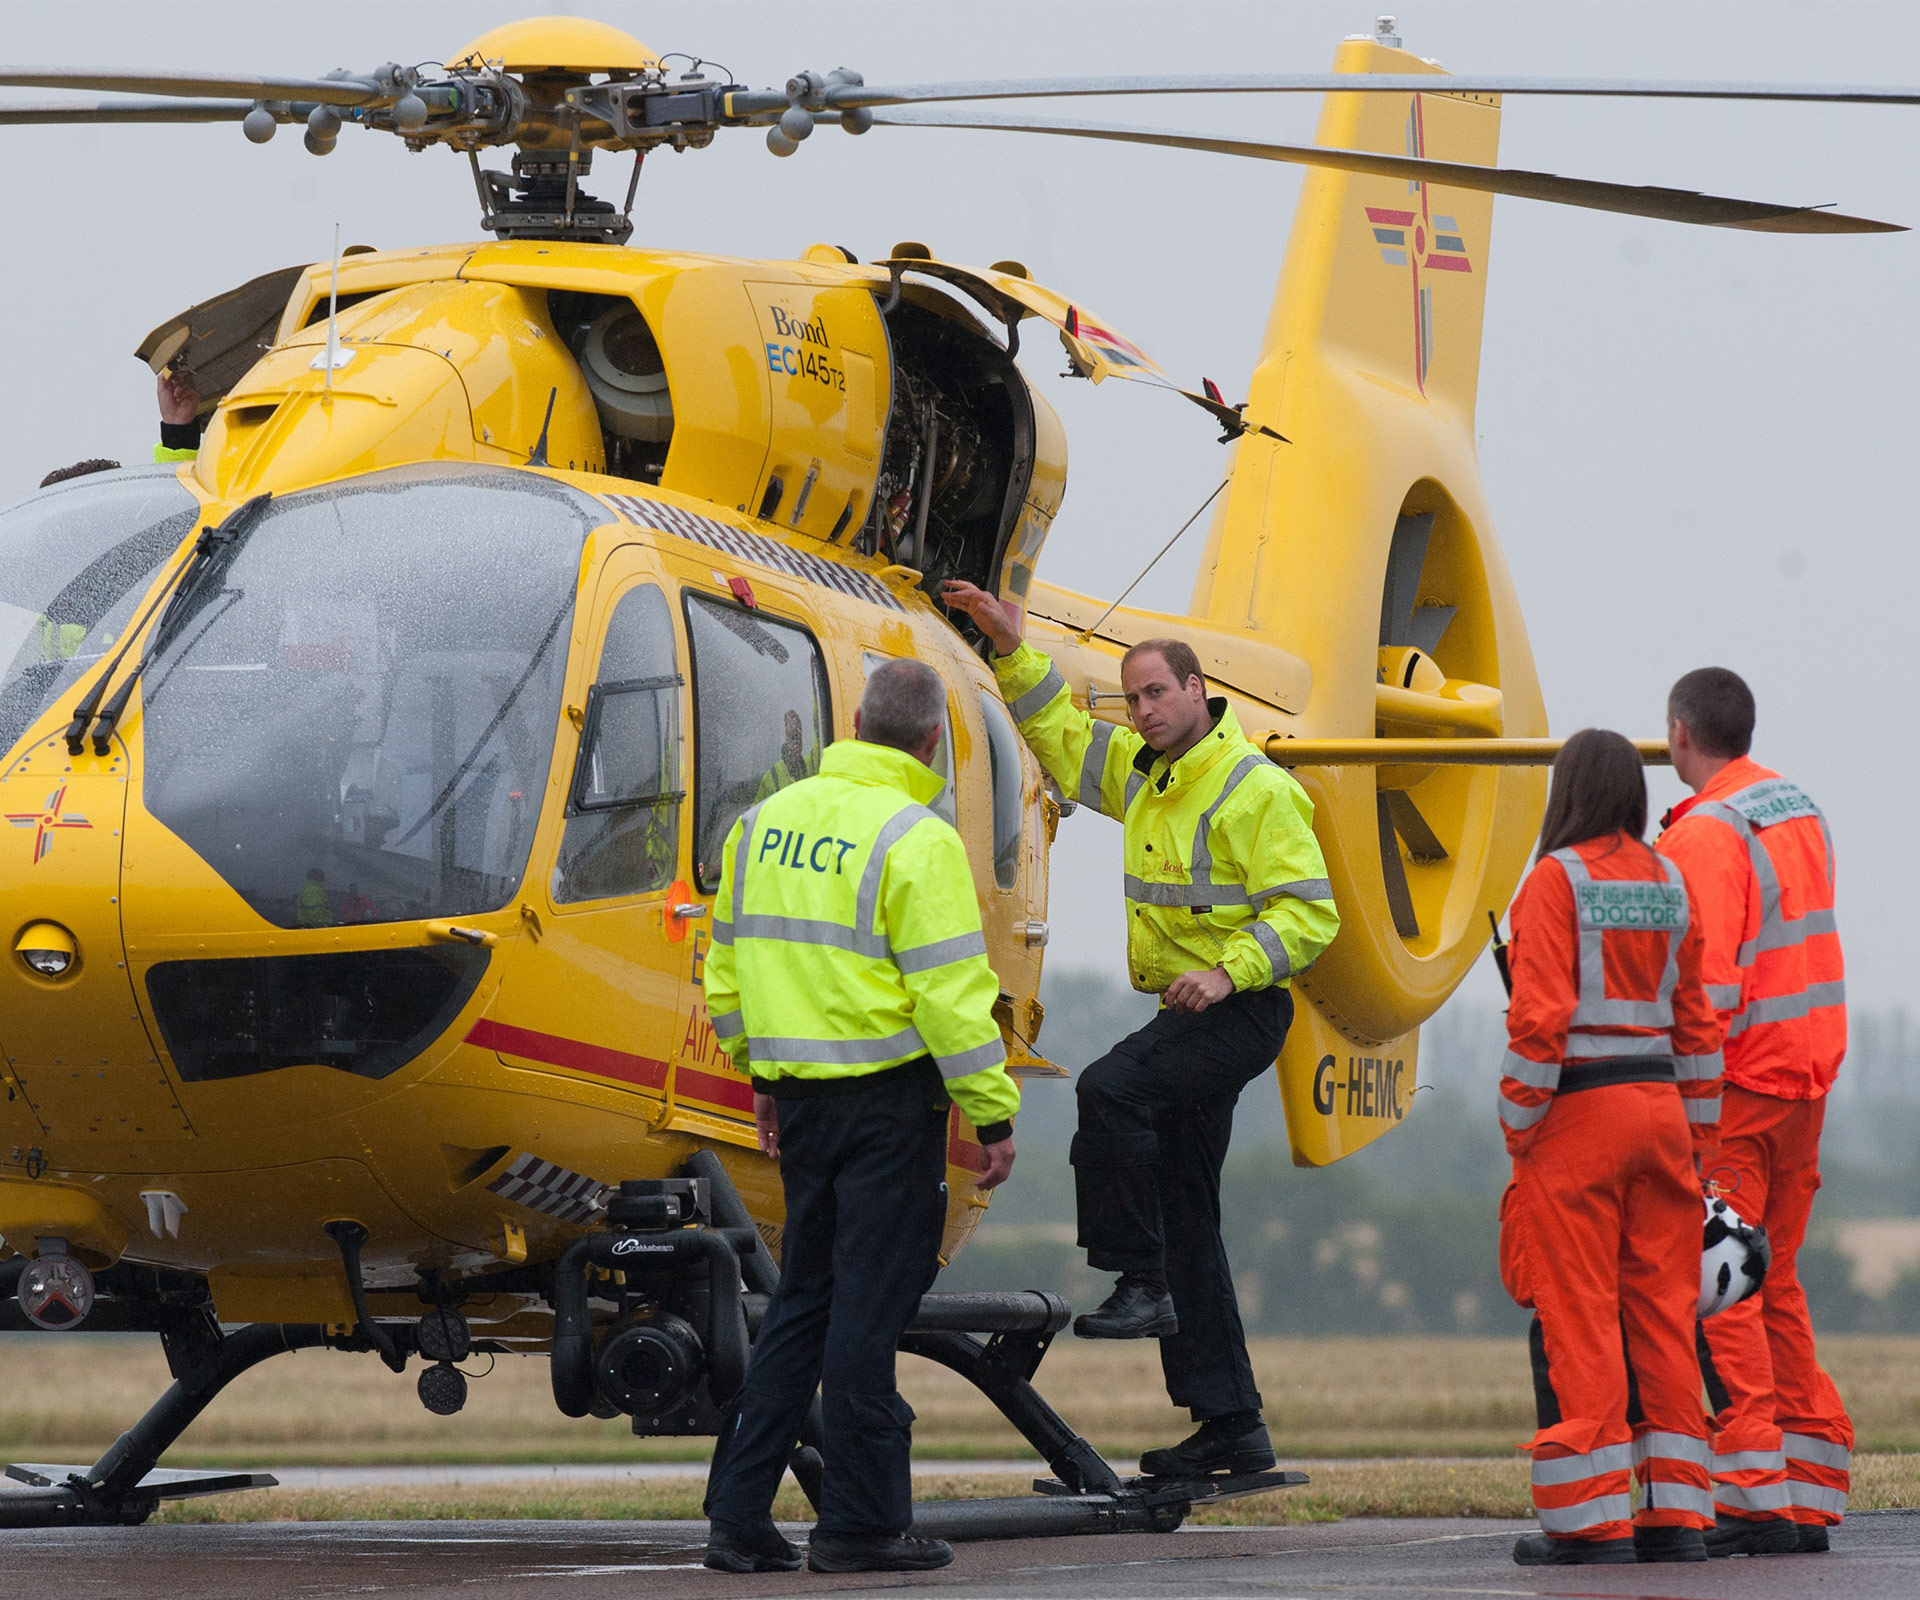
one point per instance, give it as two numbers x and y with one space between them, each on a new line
1876 1556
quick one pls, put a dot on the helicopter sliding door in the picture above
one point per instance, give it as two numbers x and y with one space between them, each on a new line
596 989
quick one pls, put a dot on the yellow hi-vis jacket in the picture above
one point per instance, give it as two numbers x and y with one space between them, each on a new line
1222 868
846 937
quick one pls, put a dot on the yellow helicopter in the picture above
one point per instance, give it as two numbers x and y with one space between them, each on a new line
363 776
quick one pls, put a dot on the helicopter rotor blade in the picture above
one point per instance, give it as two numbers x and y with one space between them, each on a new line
1670 205
346 90
21 113
861 95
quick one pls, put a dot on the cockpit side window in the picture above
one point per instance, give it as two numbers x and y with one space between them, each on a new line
943 805
762 713
75 561
623 810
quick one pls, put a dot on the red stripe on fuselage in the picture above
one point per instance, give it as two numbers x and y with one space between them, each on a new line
603 1062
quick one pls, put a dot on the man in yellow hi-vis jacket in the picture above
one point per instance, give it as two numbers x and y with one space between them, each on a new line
1227 898
849 975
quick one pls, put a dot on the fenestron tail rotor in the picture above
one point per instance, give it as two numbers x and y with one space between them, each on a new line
558 89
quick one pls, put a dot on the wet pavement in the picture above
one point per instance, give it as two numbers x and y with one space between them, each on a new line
1876 1556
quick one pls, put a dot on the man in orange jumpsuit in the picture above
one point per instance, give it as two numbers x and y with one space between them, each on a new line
1610 1093
1758 856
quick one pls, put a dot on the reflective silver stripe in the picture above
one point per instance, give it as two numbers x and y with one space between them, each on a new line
1762 1497
1135 783
941 953
1723 996
1816 1496
1814 923
892 831
1698 1069
1594 1009
1663 1494
1702 1110
840 1052
1534 1074
1571 1469
1672 1447
1789 1007
1269 941
727 1024
811 930
1198 893
740 858
1519 1117
1816 1452
1202 863
1093 765
1585 1513
1751 1461
1776 932
1584 1046
1299 889
1034 701
722 932
967 1062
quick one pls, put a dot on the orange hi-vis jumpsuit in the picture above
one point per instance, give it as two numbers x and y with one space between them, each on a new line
1758 856
1611 1083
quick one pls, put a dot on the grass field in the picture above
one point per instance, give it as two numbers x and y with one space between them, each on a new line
64 1398
1406 1488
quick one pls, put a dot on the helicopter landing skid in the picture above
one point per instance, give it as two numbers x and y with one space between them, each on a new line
1087 1495
43 1496
1143 1505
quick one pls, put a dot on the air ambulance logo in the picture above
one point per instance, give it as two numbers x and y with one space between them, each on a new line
47 821
1422 242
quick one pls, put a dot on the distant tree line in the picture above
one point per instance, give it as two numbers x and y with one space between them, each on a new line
1402 1238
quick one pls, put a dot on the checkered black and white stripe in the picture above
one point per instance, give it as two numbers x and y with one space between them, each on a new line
541 1186
753 547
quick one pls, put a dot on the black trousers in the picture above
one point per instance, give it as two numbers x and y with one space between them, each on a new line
865 1178
1156 1116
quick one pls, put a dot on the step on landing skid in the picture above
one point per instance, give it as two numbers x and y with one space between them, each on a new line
1141 1505
50 1496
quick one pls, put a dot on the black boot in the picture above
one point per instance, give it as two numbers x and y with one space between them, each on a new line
1543 1550
896 1552
1138 1308
1752 1536
1236 1443
1670 1544
764 1550
1813 1538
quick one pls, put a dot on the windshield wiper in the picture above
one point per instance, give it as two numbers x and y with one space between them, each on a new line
212 551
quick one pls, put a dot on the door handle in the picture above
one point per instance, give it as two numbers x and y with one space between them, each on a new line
687 911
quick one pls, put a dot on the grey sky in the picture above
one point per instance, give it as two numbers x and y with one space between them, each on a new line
1696 442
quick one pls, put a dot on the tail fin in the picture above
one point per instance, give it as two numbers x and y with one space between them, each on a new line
1352 586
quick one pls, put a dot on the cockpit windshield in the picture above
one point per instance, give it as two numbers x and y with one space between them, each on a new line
75 561
353 723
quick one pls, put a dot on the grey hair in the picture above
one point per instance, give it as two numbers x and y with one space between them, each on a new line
904 703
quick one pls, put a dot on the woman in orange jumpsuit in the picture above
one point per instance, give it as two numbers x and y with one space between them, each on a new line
1609 1095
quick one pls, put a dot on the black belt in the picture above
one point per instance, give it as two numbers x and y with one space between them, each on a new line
1604 1072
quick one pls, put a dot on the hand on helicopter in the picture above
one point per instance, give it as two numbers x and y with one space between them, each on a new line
1195 991
766 1123
1000 622
179 400
999 1163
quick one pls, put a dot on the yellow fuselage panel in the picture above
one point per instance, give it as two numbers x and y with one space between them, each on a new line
584 1044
